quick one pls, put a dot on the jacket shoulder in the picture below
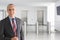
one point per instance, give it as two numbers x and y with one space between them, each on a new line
19 20
4 19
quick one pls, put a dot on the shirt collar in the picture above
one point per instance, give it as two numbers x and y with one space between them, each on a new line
11 18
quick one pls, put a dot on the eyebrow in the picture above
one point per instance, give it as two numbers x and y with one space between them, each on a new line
10 9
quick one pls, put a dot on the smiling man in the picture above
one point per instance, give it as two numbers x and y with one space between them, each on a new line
12 25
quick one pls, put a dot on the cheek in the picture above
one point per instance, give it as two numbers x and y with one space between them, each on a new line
11 12
14 12
8 12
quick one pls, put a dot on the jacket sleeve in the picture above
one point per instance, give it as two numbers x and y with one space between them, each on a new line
22 32
1 31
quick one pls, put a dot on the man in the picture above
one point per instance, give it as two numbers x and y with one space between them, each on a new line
12 26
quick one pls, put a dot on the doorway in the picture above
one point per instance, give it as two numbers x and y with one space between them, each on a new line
42 19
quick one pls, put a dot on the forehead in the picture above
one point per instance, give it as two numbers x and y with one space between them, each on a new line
10 6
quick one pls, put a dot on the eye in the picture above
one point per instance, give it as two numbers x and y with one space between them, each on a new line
9 9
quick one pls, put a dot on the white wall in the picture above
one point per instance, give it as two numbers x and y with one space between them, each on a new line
51 16
57 17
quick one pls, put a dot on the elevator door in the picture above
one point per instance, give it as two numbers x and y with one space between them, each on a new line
41 18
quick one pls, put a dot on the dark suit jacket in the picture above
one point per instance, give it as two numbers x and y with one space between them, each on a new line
1 31
7 30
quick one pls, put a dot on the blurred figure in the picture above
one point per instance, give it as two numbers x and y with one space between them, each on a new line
12 26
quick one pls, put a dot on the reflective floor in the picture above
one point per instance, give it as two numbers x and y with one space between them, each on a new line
43 36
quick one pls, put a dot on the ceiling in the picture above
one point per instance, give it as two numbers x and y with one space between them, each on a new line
23 2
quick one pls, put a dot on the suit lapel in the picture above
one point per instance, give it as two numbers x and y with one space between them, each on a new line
18 27
17 23
10 26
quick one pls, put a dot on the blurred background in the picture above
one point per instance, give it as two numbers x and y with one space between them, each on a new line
41 19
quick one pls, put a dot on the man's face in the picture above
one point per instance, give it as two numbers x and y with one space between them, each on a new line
11 10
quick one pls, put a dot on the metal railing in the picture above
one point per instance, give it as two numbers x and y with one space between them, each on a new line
37 27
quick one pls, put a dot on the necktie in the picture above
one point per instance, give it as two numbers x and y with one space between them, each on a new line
14 26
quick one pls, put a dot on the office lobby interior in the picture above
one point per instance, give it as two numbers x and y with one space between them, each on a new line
41 17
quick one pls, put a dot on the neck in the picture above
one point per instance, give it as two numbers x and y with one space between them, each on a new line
12 16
